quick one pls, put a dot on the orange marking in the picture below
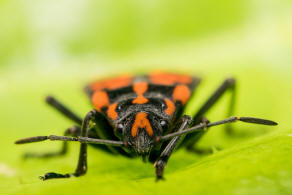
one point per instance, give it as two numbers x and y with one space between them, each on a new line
117 82
169 78
141 121
111 112
181 93
100 100
170 107
140 88
140 100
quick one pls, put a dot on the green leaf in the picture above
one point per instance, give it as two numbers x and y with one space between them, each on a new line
257 161
66 48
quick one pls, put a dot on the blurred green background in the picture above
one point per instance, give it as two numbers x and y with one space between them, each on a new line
56 47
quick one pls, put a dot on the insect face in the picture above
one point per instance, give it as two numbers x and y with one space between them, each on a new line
140 131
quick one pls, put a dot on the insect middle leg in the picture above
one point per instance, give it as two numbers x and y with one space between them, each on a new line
167 151
228 85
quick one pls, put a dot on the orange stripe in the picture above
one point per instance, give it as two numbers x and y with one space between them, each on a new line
170 107
117 82
181 93
140 100
100 100
141 121
140 88
111 112
169 78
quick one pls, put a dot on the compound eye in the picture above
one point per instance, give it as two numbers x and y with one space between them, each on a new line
119 108
120 128
163 106
163 124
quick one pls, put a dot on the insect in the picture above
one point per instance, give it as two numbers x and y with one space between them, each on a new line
139 116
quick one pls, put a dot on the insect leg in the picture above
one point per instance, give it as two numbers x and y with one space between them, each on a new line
73 131
203 127
166 153
228 84
63 109
82 162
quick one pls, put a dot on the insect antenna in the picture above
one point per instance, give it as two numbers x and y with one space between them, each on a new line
204 127
67 138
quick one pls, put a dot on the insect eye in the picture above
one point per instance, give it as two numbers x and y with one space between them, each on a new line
163 124
163 106
120 128
118 109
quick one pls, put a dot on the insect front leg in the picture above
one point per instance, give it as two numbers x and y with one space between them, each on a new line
73 131
101 131
167 151
196 138
82 162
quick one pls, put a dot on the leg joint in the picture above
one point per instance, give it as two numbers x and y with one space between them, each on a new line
230 81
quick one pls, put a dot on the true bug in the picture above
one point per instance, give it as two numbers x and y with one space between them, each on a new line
139 116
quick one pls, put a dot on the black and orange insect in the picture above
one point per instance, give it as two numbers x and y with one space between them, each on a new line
139 116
